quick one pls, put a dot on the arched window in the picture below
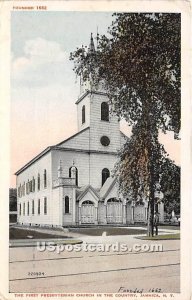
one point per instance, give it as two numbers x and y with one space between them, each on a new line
105 175
20 208
83 114
30 186
66 205
76 174
39 207
87 202
38 182
113 200
140 202
33 184
20 192
45 205
28 208
104 111
28 190
45 178
33 207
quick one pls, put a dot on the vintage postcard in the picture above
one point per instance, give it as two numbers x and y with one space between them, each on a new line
95 156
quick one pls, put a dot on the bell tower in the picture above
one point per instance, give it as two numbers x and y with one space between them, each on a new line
94 111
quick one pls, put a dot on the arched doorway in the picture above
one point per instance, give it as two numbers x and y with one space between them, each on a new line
87 212
114 211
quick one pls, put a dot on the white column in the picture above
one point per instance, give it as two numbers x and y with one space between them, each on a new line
124 213
60 206
79 215
132 214
145 213
96 215
74 206
105 214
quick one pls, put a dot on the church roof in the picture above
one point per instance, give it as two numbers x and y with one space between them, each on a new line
90 92
42 153
74 135
57 148
83 190
106 188
124 135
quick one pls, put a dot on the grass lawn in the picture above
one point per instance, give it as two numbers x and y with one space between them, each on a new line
173 236
19 233
108 231
173 227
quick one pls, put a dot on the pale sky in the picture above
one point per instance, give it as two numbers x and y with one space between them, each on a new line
44 87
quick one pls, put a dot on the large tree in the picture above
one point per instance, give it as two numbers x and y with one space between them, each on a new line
170 185
138 64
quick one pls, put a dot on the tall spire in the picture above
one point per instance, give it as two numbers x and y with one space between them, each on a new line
91 45
91 56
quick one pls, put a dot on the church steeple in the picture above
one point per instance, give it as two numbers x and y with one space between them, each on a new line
91 53
91 49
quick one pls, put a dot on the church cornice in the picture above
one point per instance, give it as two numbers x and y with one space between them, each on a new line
84 150
90 92
50 148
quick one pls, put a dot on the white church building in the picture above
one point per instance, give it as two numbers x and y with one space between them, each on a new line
70 183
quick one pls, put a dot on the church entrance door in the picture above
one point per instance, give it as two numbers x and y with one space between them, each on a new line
87 213
114 211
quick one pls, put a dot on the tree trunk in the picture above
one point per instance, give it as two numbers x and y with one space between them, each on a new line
150 221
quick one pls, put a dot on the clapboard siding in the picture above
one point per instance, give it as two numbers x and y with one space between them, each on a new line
33 170
79 141
97 163
80 159
99 128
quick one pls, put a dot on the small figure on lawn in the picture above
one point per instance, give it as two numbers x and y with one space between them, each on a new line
156 222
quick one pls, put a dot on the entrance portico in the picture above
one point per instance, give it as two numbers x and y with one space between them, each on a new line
88 206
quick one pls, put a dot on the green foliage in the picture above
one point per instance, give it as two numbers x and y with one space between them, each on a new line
139 166
139 65
174 236
170 186
12 199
